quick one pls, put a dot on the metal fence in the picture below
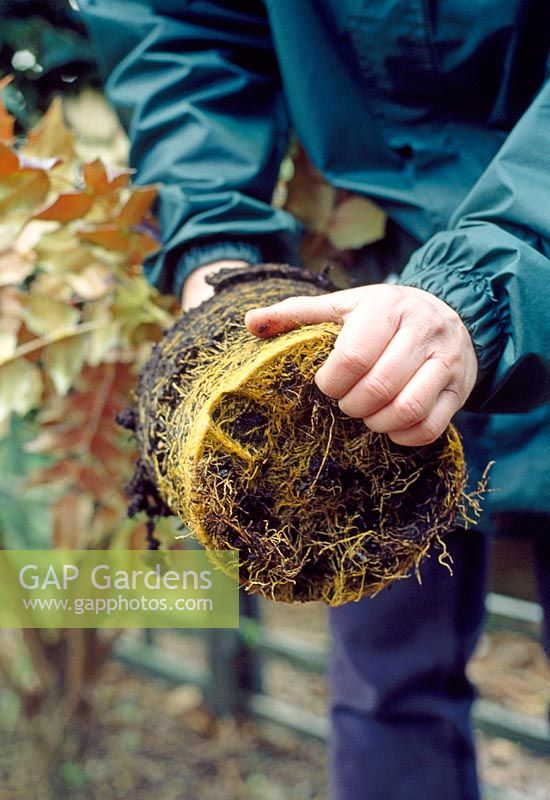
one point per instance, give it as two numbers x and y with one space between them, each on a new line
233 679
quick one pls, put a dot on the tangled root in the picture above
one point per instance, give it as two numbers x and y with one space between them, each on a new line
236 440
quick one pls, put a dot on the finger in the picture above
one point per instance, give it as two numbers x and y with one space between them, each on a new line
430 428
414 402
364 337
296 311
392 371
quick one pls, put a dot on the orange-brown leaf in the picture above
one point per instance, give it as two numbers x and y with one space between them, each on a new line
66 207
141 244
9 162
108 236
100 181
6 119
137 206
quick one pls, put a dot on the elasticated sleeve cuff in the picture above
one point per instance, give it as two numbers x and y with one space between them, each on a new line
444 268
207 254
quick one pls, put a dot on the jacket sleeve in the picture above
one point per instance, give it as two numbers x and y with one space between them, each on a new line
493 267
197 87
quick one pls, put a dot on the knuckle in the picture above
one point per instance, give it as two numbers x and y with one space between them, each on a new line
378 388
349 409
353 361
457 395
328 384
433 332
428 431
409 410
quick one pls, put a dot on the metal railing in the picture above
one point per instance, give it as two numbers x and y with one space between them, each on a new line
232 682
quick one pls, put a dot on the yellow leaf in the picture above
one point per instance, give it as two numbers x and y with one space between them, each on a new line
92 283
8 343
31 235
63 362
91 116
20 388
106 338
10 229
133 304
104 344
23 191
310 199
308 195
43 315
51 138
355 223
13 268
53 285
62 252
10 309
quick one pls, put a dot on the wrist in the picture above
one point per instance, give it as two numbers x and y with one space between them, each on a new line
195 288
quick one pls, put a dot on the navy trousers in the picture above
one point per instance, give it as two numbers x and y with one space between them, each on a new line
400 698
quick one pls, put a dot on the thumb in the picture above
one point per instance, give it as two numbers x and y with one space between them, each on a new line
295 312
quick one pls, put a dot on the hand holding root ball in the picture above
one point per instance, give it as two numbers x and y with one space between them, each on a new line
403 362
237 441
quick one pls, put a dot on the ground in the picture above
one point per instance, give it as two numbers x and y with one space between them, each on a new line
154 739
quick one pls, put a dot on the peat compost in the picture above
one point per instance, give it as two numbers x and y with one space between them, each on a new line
236 440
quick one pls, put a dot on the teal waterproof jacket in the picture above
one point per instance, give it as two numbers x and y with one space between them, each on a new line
438 110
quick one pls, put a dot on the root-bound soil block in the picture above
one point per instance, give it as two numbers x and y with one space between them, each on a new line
235 439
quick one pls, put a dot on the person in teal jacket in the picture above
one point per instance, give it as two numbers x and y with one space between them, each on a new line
439 111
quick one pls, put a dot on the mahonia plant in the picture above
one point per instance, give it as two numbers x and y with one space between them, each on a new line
77 316
77 319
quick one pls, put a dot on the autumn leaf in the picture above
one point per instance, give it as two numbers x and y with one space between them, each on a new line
9 161
109 237
51 138
100 180
14 268
23 191
137 206
61 251
52 285
308 195
92 283
105 339
134 305
20 388
91 117
356 222
43 315
66 207
8 344
6 119
63 361
11 308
